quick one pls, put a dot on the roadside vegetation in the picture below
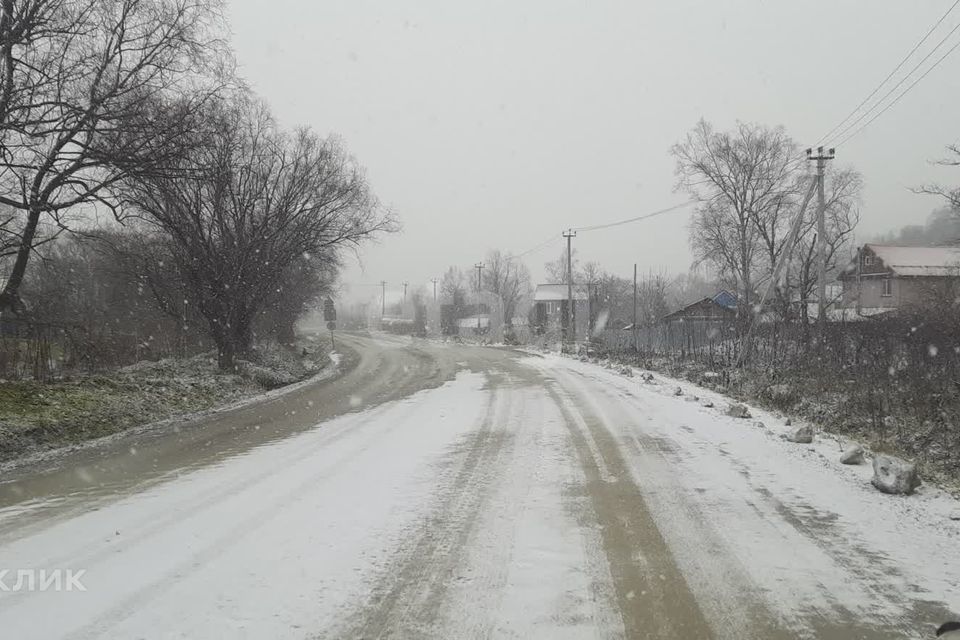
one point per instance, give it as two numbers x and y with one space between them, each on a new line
36 416
160 233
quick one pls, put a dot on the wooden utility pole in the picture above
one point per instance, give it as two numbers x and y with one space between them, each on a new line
571 332
479 268
636 348
821 159
434 281
383 298
405 292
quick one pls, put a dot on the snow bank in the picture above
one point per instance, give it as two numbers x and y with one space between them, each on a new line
812 532
258 546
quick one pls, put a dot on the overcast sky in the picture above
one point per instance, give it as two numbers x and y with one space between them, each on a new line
494 124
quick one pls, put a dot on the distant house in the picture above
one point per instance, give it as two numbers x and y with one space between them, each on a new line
451 316
721 307
550 308
886 278
474 325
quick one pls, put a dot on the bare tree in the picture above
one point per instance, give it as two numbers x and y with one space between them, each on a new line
509 278
453 294
92 91
302 285
950 194
653 299
746 181
614 295
691 287
245 203
557 269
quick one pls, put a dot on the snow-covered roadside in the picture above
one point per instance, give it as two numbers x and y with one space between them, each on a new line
274 543
813 534
47 455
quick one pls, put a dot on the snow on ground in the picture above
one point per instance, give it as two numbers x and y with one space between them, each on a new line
265 545
470 510
532 570
813 534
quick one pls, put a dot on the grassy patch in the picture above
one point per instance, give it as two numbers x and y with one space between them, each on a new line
44 415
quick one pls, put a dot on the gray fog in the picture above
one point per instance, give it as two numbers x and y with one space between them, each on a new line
491 125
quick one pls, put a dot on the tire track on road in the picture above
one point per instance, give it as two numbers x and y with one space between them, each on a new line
652 595
407 599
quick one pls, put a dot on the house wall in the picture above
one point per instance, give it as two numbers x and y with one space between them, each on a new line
903 291
552 316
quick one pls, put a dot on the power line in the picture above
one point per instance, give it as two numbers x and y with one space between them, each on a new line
897 99
897 86
637 218
824 137
553 237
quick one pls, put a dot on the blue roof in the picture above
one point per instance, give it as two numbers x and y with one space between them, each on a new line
725 299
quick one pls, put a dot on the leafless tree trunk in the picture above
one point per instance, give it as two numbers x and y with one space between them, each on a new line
92 91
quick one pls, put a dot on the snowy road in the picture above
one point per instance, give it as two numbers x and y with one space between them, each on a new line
457 492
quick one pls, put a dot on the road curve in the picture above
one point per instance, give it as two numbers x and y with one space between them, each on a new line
439 491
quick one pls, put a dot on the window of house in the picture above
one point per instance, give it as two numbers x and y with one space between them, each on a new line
867 260
887 284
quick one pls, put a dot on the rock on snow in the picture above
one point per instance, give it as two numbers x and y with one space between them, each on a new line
894 475
853 455
801 435
738 411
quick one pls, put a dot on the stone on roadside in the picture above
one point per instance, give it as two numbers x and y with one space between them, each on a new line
955 515
708 404
737 410
678 391
647 377
894 475
853 455
759 424
626 371
788 422
801 435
